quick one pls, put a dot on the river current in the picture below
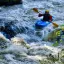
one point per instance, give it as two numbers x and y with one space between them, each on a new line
24 18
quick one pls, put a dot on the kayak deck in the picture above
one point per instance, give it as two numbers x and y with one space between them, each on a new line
41 24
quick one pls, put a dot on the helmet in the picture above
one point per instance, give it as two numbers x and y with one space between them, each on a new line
47 11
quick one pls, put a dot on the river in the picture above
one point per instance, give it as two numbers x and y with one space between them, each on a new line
24 18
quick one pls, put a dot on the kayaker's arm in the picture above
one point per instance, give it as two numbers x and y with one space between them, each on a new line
40 15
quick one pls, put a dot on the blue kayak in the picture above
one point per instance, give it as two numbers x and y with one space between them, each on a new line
41 23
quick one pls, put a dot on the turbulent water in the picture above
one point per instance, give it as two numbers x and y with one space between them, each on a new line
24 18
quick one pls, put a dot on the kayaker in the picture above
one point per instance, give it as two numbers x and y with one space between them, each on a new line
46 16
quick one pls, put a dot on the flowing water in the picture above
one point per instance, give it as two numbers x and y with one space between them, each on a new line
24 18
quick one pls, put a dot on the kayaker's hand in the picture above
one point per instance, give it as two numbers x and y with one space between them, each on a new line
40 15
50 21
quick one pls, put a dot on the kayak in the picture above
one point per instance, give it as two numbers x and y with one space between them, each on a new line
41 23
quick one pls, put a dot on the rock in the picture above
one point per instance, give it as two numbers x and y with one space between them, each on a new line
52 53
53 35
20 41
62 55
4 42
56 35
44 51
10 2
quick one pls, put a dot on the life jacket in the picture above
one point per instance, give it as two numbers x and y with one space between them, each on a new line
47 17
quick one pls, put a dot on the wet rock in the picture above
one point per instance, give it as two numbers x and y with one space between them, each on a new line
4 42
55 35
62 55
50 52
20 41
43 50
10 2
40 51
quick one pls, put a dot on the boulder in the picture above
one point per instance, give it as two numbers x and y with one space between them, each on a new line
52 36
4 42
57 34
20 41
10 2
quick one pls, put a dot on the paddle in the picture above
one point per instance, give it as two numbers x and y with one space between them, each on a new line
55 25
36 10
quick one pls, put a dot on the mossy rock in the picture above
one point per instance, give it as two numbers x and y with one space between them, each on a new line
53 35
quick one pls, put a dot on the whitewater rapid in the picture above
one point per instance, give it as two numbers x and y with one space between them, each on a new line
23 17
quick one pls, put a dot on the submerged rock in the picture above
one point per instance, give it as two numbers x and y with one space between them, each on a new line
10 2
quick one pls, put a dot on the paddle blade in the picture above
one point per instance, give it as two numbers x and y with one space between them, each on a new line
55 25
35 10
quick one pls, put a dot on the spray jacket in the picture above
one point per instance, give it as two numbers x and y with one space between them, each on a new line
46 17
